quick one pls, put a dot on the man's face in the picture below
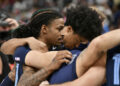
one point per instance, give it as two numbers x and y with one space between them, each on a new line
54 32
71 39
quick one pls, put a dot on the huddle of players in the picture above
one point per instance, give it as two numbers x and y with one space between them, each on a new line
91 55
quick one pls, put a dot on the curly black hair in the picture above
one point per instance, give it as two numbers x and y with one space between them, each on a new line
84 21
40 17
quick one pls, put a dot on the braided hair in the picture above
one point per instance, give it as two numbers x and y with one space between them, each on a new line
39 18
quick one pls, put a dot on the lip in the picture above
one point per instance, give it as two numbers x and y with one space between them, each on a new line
60 40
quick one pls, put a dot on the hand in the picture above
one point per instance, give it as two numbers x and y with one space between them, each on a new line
63 56
35 44
13 23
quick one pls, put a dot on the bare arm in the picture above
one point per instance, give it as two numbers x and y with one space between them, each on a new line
10 46
96 49
30 78
38 60
95 76
1 66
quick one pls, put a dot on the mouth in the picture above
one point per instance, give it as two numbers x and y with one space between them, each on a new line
60 40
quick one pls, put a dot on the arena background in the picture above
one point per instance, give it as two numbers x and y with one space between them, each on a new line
23 9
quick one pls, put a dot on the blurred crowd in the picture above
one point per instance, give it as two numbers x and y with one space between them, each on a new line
23 9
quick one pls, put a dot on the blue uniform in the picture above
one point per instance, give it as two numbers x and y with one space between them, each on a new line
20 52
113 67
23 50
68 71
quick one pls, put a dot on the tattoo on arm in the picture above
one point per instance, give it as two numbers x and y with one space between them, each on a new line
32 78
12 73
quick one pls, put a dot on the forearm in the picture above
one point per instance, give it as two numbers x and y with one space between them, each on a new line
39 60
95 76
97 48
1 66
36 78
10 46
64 84
108 40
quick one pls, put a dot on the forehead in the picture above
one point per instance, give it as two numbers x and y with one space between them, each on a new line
58 22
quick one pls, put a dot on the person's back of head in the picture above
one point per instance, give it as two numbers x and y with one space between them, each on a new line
84 21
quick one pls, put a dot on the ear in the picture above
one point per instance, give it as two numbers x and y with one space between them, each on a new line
44 29
69 29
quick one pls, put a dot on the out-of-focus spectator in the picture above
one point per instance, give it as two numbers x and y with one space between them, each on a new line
20 5
6 25
4 67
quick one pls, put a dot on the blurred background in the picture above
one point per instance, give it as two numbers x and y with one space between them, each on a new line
23 9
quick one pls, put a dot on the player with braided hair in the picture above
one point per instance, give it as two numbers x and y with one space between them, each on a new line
45 25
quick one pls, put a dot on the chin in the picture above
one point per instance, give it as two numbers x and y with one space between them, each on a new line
68 46
57 44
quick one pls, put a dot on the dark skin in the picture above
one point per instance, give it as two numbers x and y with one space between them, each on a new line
52 31
33 77
0 66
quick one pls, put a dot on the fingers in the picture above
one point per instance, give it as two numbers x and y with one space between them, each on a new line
12 22
65 52
68 52
64 56
64 61
44 83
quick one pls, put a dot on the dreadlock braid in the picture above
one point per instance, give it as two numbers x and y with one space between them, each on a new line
39 18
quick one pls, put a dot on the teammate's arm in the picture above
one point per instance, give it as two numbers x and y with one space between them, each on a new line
1 66
95 76
30 78
39 60
97 49
10 46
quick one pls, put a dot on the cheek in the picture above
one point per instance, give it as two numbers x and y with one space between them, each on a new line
55 36
69 42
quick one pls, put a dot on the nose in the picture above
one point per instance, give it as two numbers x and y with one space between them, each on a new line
62 36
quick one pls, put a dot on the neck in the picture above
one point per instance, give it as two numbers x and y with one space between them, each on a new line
44 41
81 41
85 42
